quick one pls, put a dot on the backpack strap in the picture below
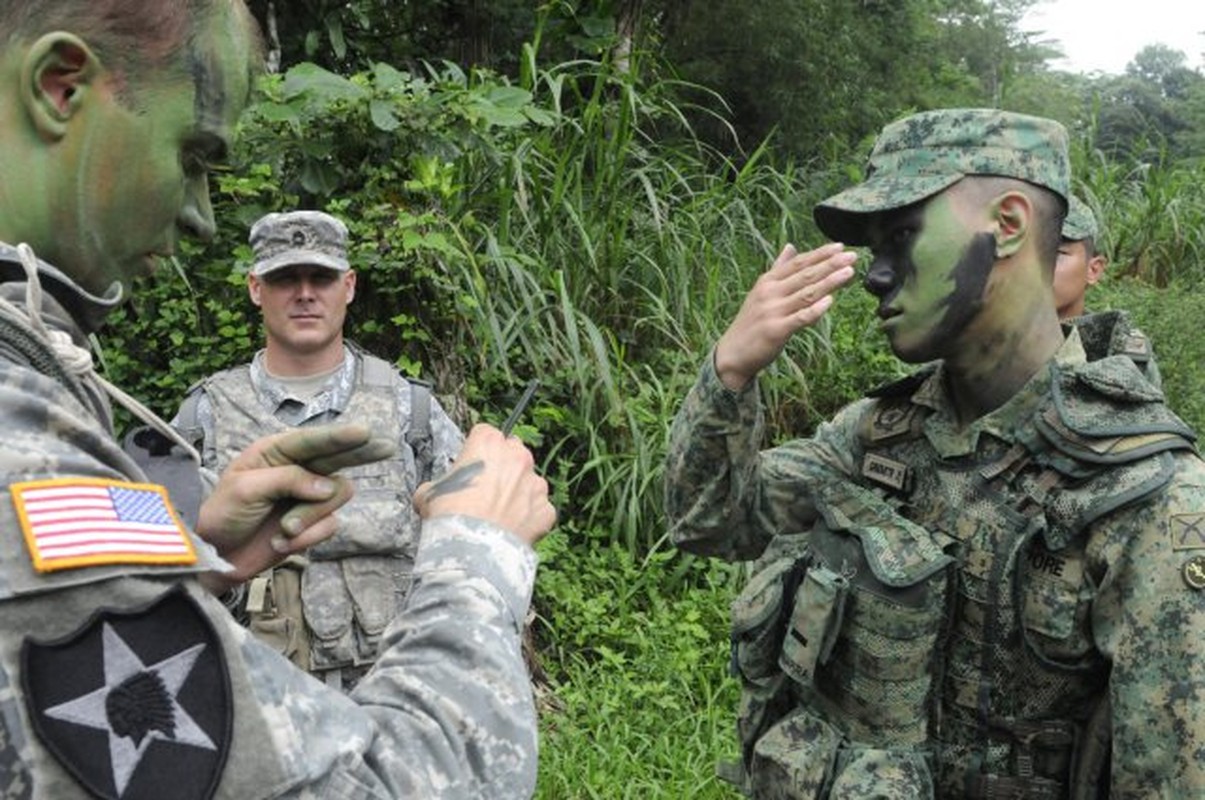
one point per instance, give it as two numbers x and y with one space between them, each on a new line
419 435
379 372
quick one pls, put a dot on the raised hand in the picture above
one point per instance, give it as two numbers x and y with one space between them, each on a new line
792 294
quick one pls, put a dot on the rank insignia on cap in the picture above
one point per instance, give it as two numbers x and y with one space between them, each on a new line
1194 572
86 522
136 705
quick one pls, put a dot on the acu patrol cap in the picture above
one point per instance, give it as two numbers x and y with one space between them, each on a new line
921 155
298 237
1080 223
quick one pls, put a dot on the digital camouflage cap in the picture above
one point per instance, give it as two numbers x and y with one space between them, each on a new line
1080 223
926 153
298 237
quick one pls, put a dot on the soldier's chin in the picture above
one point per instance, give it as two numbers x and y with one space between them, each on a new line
909 352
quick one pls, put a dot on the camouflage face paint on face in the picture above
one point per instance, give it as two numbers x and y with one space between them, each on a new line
927 301
134 175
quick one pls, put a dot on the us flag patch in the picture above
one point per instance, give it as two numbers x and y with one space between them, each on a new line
86 522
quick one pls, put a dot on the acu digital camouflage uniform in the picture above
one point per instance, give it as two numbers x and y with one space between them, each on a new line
446 713
1007 609
326 612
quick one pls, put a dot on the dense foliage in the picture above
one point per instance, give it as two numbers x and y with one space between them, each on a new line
583 195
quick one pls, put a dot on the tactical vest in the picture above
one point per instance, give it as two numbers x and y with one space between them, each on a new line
327 611
930 636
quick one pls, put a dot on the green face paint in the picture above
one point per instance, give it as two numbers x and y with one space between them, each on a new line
930 270
127 181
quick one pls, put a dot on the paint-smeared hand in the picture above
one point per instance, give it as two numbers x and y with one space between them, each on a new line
278 496
493 479
792 294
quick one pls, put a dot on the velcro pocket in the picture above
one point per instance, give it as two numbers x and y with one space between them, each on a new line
329 614
816 616
794 759
867 772
757 621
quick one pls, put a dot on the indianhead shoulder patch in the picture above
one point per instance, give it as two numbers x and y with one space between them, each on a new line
135 704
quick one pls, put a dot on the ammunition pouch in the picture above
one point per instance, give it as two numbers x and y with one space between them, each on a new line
274 610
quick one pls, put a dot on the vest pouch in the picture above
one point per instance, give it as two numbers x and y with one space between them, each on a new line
815 621
757 628
376 585
866 773
377 520
274 611
794 760
329 615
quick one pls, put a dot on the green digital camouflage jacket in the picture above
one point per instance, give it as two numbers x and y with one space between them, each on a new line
1012 608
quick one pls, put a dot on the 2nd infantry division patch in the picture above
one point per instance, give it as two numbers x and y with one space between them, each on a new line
136 705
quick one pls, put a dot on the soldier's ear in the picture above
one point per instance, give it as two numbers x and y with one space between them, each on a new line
253 289
1013 214
351 285
58 74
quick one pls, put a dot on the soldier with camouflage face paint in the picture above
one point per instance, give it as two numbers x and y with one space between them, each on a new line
121 676
1081 264
325 611
986 580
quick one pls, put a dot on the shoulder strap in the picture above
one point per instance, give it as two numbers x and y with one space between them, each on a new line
186 416
379 372
419 435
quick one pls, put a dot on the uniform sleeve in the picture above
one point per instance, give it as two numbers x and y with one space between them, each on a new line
723 496
1147 619
447 711
194 421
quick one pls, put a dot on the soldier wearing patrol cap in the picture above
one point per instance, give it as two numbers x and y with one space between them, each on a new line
325 611
1080 263
983 580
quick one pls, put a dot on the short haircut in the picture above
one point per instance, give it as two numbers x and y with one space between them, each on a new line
1049 208
129 36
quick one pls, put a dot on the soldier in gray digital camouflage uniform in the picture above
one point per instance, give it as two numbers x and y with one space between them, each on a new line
988 579
325 611
121 675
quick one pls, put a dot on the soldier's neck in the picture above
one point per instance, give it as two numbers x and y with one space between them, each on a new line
288 363
980 379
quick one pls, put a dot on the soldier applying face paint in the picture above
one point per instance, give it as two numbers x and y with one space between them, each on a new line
121 675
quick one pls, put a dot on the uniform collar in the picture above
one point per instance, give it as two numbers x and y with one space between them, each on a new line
65 303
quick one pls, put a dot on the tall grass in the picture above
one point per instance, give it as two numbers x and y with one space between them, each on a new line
638 244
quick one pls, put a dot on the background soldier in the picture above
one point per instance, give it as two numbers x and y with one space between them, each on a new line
969 578
325 611
1080 264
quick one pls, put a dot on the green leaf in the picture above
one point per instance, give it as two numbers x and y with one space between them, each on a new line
382 115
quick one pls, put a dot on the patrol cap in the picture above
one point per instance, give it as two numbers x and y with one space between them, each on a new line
921 155
298 237
1080 223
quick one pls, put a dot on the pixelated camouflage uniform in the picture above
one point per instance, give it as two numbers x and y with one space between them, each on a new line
326 612
948 608
446 713
1005 608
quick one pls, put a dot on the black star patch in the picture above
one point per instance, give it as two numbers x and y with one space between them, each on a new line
135 704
